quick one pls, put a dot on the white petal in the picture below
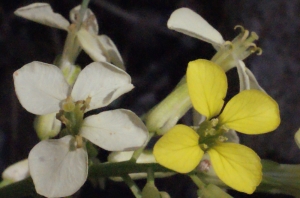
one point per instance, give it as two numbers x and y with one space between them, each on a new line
111 51
243 77
57 167
190 23
115 130
90 45
253 82
17 171
89 21
40 87
101 81
43 13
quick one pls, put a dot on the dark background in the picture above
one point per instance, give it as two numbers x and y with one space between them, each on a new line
156 59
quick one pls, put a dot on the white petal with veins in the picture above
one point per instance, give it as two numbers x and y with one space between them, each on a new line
40 87
57 167
90 45
115 130
111 51
190 23
43 13
101 81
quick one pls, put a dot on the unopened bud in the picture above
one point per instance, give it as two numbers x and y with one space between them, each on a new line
150 191
47 126
166 114
212 191
16 172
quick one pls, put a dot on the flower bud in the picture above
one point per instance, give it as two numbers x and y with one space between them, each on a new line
212 191
297 138
47 126
166 114
16 172
150 191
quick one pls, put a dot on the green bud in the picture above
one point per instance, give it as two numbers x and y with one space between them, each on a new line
166 114
150 191
297 138
15 172
212 191
164 194
47 126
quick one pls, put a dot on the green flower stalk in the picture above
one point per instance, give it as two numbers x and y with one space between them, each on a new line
280 178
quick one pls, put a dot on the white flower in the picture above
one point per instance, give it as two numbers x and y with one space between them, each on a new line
59 166
98 47
190 23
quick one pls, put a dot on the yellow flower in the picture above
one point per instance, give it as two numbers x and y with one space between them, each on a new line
249 112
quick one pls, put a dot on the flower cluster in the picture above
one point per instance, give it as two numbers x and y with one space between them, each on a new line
62 93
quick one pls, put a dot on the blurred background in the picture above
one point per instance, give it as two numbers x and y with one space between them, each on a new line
156 58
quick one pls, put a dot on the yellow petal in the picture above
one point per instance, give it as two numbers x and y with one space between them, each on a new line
251 112
237 166
207 85
178 149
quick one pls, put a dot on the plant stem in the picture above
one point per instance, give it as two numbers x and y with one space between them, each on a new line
132 185
150 176
82 11
197 181
26 187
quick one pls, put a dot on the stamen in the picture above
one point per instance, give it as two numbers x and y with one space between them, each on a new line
258 51
225 128
86 104
64 120
245 36
222 138
228 45
214 122
79 141
68 105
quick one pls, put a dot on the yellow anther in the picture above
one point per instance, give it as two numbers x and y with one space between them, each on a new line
214 122
239 27
68 105
254 35
227 45
204 146
225 128
245 35
222 138
258 51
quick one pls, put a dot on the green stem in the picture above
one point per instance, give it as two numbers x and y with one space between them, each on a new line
136 154
26 188
197 181
132 185
121 168
150 176
82 11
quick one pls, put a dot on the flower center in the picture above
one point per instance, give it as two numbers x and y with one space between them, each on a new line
72 114
211 133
